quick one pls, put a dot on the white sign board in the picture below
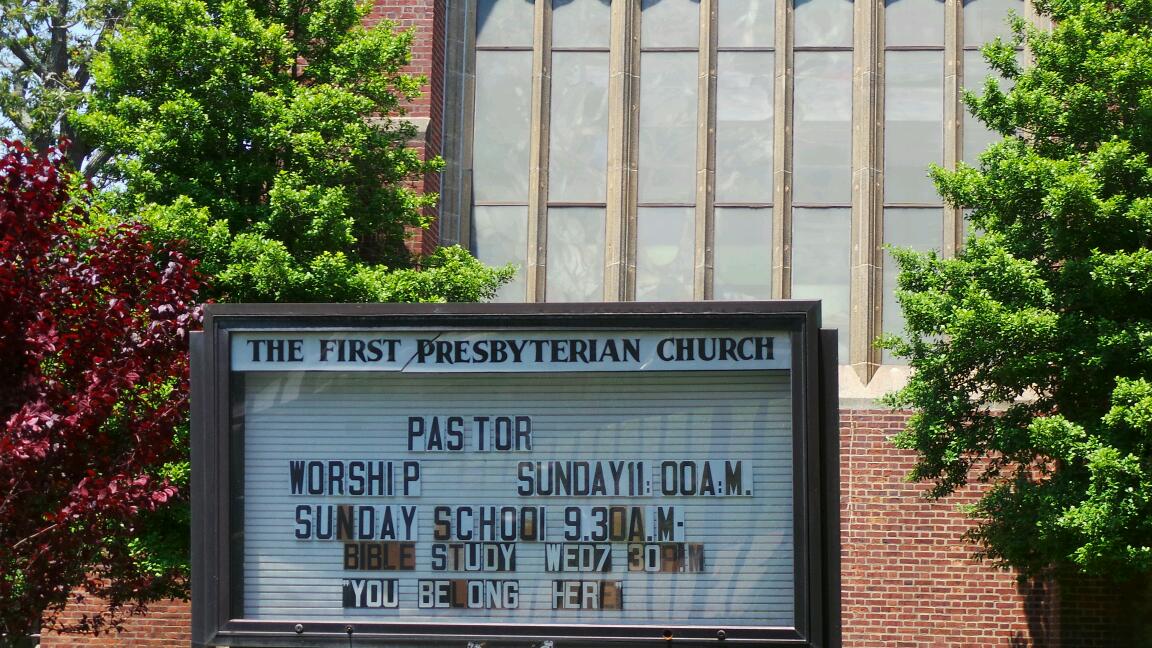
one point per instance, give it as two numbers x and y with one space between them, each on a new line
568 477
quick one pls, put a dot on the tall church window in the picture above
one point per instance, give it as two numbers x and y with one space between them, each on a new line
712 149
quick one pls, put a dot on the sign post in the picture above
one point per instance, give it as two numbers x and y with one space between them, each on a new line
586 475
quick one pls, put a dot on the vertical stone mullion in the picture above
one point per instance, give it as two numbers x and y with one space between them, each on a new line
953 115
706 155
538 157
782 153
1033 17
459 108
867 185
623 139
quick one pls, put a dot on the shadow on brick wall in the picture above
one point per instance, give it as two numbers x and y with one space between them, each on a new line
1098 613
1041 609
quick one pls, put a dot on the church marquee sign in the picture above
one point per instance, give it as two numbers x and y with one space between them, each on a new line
586 475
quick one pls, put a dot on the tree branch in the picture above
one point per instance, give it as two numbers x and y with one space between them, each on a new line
26 58
8 498
83 69
18 114
96 163
31 33
35 535
22 121
82 74
58 52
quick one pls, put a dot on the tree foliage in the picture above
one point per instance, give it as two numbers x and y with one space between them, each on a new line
46 50
1032 349
93 385
262 133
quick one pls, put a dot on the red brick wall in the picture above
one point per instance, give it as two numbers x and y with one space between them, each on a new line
168 623
424 18
908 580
1099 614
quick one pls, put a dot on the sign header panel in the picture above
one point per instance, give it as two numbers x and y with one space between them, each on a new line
510 351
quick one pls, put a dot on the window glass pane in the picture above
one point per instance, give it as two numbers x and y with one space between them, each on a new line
822 265
502 128
669 23
984 20
823 23
914 124
667 161
499 237
914 22
575 254
745 23
581 23
578 148
744 126
742 265
822 128
977 136
665 253
504 22
919 229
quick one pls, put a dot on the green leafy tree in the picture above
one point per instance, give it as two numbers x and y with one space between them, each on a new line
263 135
1032 349
264 138
46 51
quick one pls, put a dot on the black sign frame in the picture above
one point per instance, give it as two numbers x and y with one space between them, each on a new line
217 473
